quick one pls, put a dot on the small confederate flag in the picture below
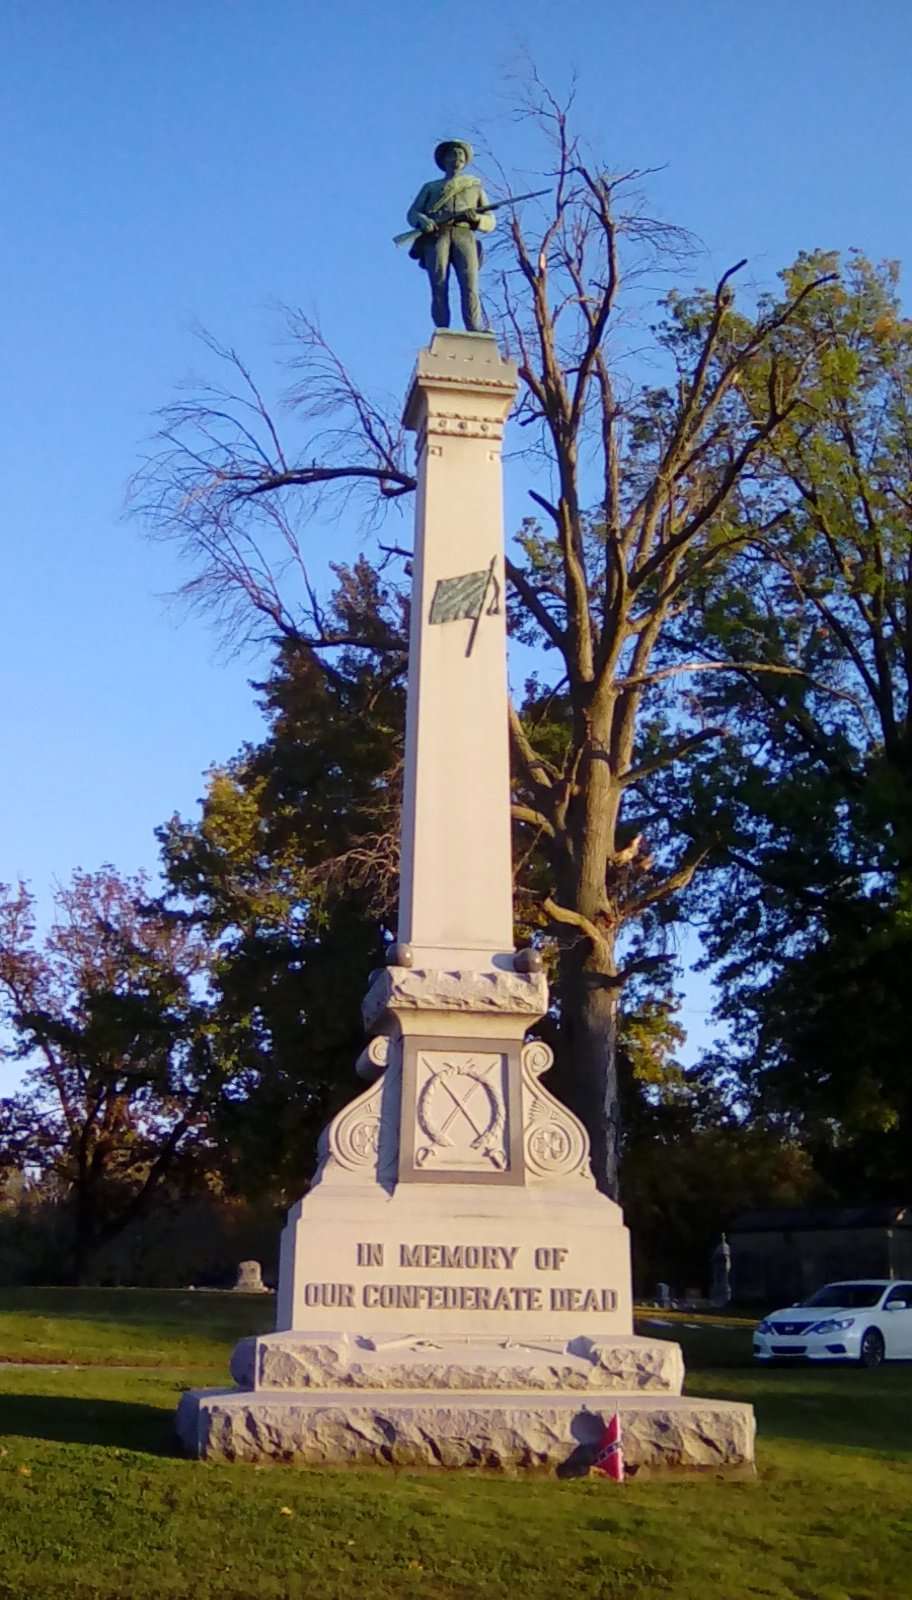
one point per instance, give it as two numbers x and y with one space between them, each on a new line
609 1458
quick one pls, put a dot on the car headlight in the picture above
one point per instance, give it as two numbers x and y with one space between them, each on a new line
764 1327
833 1325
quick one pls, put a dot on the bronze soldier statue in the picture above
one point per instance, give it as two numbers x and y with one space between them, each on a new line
447 213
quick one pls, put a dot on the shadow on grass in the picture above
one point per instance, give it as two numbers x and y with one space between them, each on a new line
110 1424
843 1407
840 1406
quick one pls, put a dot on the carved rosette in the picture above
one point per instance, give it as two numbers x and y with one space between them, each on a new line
354 1137
555 1142
464 424
440 425
363 1139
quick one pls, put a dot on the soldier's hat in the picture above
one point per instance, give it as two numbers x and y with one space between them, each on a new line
447 144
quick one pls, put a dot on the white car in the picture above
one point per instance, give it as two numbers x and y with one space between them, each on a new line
868 1320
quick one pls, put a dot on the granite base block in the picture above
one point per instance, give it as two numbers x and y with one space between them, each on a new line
499 1431
300 1360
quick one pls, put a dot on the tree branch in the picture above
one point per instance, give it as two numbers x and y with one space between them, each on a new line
656 763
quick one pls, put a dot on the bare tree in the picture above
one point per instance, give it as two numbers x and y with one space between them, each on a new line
636 493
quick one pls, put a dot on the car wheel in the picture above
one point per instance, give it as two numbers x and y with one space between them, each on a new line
872 1350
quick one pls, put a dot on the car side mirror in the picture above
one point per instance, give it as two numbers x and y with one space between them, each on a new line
898 1305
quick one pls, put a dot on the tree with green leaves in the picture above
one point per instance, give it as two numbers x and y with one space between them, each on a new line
631 487
289 874
810 791
107 1014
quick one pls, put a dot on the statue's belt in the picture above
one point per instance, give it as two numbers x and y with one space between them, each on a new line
419 249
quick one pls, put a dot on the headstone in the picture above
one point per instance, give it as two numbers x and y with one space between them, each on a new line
250 1278
453 1288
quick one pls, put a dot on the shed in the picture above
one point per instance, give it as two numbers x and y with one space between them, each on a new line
781 1256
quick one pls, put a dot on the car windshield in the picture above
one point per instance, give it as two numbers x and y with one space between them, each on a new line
847 1294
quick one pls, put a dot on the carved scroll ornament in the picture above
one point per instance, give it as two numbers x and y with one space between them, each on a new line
556 1143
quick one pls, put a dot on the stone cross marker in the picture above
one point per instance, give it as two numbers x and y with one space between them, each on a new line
453 1288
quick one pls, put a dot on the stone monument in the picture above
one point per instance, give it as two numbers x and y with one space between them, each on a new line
453 1289
721 1291
250 1278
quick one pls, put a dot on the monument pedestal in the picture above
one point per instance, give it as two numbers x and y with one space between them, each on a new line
453 1290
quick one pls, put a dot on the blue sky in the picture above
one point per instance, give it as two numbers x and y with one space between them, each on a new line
188 161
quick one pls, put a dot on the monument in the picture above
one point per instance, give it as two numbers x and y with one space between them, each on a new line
453 1290
721 1291
250 1278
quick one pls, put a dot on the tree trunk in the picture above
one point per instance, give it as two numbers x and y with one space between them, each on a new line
586 1073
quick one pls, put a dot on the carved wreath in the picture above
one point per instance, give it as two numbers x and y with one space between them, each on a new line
435 1128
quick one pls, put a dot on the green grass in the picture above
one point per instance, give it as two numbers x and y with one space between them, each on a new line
128 1327
94 1502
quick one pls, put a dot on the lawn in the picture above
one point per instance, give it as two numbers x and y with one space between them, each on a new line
95 1503
183 1328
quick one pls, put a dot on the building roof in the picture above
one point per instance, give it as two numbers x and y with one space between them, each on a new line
809 1218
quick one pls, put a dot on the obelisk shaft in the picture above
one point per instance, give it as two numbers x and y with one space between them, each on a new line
455 907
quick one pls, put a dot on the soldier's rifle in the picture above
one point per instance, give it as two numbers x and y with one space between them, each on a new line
414 234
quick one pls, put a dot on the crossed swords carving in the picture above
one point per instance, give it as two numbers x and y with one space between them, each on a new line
459 1106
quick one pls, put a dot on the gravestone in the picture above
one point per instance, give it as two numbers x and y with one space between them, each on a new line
250 1278
453 1289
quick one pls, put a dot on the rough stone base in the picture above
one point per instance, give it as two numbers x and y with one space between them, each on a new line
300 1360
500 1431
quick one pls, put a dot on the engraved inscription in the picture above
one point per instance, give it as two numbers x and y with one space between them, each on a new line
369 1255
329 1294
583 1300
550 1258
574 1299
450 1297
478 1297
493 1256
